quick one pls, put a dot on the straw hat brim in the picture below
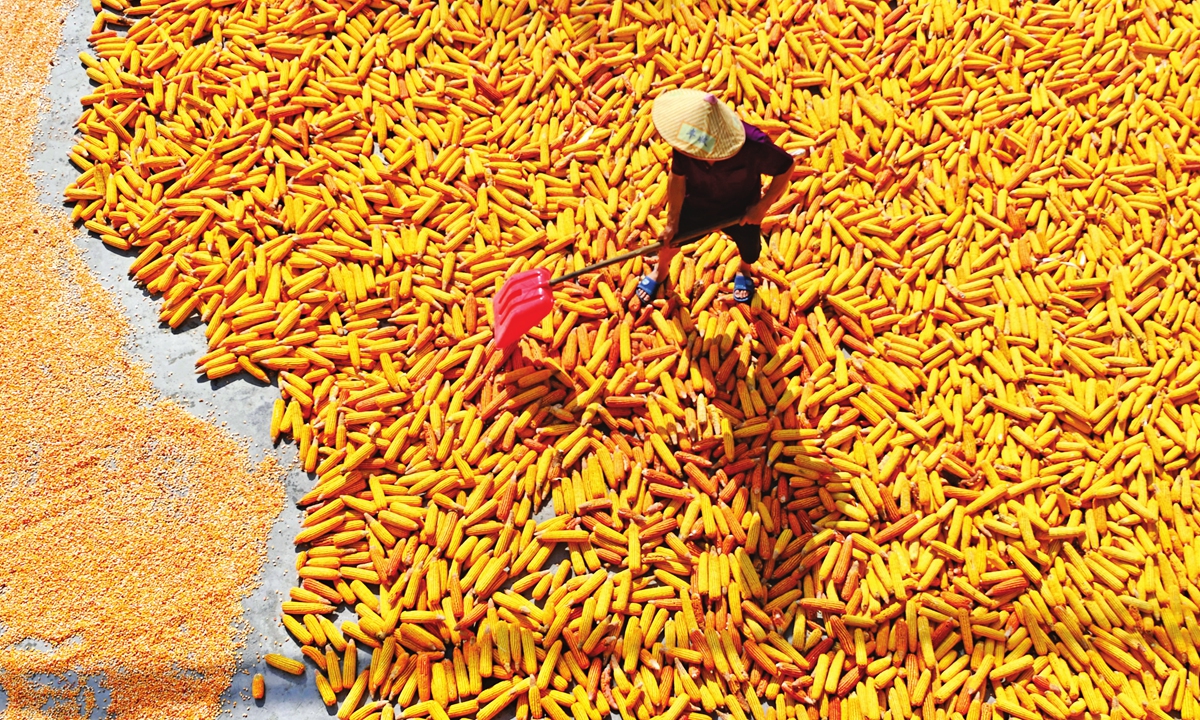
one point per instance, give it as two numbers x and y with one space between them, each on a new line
697 124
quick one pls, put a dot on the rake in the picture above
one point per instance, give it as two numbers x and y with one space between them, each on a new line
525 298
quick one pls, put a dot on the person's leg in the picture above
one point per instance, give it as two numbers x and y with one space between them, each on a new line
749 244
648 285
690 218
665 256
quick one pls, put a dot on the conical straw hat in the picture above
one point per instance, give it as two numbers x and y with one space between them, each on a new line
698 124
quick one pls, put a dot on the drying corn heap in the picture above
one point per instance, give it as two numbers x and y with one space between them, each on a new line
941 469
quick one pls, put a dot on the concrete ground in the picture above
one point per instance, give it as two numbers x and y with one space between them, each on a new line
243 405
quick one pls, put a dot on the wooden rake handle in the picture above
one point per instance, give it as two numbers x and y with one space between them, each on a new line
645 250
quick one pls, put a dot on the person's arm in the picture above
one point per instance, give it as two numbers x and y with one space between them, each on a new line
779 184
676 189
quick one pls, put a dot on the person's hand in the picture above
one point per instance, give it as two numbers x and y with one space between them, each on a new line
754 214
667 236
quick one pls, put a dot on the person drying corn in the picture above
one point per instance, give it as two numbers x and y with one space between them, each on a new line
716 173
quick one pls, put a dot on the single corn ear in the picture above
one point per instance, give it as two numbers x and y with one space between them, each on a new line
353 697
258 687
332 670
753 583
349 663
328 696
285 664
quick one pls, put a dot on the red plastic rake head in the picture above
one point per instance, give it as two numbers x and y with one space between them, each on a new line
520 304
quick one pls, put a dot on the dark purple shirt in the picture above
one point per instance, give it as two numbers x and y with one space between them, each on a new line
734 181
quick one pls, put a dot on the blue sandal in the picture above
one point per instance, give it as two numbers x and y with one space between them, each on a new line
646 288
744 285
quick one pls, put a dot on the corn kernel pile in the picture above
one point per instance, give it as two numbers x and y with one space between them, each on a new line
940 469
130 530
